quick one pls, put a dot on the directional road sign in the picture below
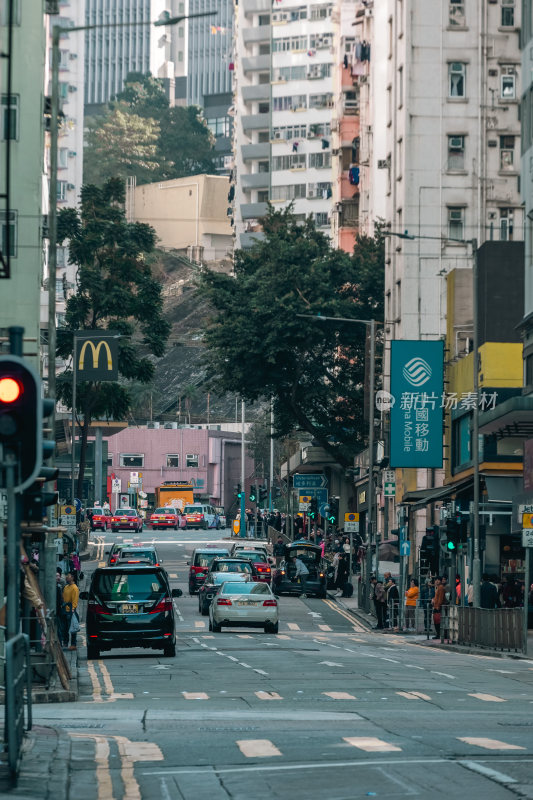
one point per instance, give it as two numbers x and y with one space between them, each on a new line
315 481
405 548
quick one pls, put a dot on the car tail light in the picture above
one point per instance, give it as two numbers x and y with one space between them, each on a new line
223 601
270 603
283 572
134 561
96 608
164 605
263 569
112 560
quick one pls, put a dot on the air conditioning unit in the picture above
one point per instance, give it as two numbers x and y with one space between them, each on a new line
72 88
456 142
73 56
314 71
153 426
363 78
312 192
71 186
493 73
492 215
383 163
492 143
170 426
71 153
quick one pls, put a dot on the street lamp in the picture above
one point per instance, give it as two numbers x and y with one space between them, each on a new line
54 132
371 324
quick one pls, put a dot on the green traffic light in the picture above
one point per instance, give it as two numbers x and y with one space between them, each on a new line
451 546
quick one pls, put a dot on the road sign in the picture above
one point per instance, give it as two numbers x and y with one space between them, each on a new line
68 511
315 481
116 485
527 520
405 548
389 476
77 503
304 501
527 537
389 489
136 478
351 522
68 521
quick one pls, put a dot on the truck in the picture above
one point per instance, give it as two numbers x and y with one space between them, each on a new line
177 494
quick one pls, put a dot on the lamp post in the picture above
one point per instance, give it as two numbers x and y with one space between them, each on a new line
371 325
57 30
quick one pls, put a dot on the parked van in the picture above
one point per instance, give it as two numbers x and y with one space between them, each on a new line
201 516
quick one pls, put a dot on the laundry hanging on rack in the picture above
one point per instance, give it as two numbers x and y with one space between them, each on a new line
353 175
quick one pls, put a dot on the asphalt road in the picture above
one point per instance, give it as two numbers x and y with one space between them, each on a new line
324 709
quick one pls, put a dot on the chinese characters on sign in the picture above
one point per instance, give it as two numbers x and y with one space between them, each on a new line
416 415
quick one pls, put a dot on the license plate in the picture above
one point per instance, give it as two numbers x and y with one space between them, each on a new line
123 519
130 608
242 602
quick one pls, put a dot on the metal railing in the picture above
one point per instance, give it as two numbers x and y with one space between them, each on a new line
17 693
498 628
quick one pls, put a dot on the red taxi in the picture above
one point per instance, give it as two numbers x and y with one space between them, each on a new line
199 565
165 518
126 519
260 561
99 518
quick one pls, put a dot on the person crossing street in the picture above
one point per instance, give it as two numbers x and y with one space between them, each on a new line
301 572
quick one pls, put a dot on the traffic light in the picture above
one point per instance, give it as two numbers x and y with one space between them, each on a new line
253 493
21 418
263 493
238 491
456 532
313 508
34 498
333 513
276 492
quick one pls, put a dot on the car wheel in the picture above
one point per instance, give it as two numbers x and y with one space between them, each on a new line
205 610
191 591
206 525
322 594
93 653
114 530
199 604
216 627
170 649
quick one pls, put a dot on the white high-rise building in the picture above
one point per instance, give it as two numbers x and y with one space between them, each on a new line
283 102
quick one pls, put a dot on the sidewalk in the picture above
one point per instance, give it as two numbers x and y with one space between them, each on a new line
44 767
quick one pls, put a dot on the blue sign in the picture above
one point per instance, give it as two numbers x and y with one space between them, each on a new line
315 481
77 503
416 385
405 548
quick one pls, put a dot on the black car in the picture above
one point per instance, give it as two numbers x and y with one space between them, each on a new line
130 606
139 555
201 560
284 580
221 569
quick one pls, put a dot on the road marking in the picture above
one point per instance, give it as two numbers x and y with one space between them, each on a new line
101 563
101 757
488 698
248 666
257 748
232 658
172 575
325 628
487 772
244 636
195 696
414 695
340 695
199 623
489 744
330 664
97 689
260 671
502 671
208 637
292 626
371 744
352 620
268 696
282 636
107 678
414 666
443 674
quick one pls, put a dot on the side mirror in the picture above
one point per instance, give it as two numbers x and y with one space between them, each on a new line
176 593
84 595
188 563
106 552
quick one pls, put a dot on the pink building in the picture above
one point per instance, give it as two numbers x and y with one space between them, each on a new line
209 459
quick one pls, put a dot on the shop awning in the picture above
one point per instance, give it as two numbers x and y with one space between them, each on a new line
422 497
502 489
513 417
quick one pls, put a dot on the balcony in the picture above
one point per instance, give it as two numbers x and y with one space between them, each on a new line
253 35
255 180
252 151
259 91
255 122
249 239
349 213
256 64
253 210
256 6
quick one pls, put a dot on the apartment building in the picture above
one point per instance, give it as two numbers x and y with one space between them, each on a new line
283 93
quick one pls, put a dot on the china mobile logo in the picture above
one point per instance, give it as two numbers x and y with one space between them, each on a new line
417 372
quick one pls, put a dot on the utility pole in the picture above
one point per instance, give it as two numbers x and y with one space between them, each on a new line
271 481
476 564
242 530
370 502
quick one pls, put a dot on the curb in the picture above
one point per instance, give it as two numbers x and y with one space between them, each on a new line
359 615
473 651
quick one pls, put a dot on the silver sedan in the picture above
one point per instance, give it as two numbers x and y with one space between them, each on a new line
250 605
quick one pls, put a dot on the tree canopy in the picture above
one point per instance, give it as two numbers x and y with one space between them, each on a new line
141 134
116 291
258 346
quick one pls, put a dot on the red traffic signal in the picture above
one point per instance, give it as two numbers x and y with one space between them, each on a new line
21 419
10 390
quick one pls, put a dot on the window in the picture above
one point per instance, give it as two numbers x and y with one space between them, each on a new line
508 82
507 153
63 90
173 460
456 217
293 161
506 224
322 190
456 13
292 192
321 41
4 12
322 219
320 160
62 257
321 12
290 132
110 459
10 116
181 32
290 102
292 73
219 126
400 87
8 222
321 100
507 13
457 79
62 158
456 152
63 59
191 460
131 459
288 43
389 105
298 13
264 19
62 191
60 288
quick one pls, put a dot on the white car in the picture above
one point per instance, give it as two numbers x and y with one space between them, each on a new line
244 604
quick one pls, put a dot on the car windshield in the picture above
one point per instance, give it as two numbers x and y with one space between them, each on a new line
233 566
164 511
193 510
244 588
128 585
255 556
307 554
126 512
222 577
147 555
205 559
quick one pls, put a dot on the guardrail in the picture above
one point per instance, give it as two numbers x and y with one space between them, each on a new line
498 628
17 683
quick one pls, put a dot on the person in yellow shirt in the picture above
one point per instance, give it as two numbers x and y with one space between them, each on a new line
411 596
71 595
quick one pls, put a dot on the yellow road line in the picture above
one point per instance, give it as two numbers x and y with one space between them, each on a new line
340 695
488 698
257 748
103 774
195 696
292 626
107 678
268 696
353 622
97 689
489 744
325 627
370 744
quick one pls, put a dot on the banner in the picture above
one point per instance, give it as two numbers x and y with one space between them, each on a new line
97 355
417 383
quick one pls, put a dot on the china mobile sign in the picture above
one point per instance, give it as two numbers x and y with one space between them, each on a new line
417 381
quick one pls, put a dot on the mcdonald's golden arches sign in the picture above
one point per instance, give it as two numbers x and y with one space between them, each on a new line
97 355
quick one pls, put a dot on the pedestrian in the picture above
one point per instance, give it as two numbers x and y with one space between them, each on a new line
277 522
470 593
71 595
437 606
411 597
393 601
301 572
342 573
488 593
380 602
279 551
346 545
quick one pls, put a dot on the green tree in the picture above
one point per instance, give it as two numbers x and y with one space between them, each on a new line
121 144
258 347
115 290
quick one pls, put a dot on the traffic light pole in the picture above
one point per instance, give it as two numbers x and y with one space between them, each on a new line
271 481
73 421
476 563
12 544
242 529
370 504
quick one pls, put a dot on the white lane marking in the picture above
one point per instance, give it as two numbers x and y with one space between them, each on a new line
330 664
314 614
232 658
336 646
392 660
340 695
414 666
260 672
292 626
371 744
268 696
487 772
199 623
178 613
488 698
172 575
489 744
257 748
443 674
248 666
195 639
195 696
414 695
282 636
502 671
